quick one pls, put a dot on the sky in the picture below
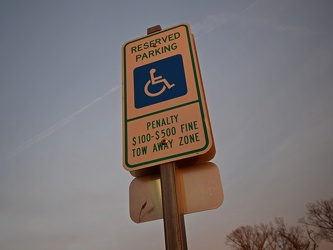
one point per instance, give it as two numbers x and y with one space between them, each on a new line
267 69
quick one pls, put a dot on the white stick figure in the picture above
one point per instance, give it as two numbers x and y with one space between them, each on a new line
156 80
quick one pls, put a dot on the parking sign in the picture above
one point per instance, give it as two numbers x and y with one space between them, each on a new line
165 116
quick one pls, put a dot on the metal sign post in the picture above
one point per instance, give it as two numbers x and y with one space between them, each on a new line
174 226
165 118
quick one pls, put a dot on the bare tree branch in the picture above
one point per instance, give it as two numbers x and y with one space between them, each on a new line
319 217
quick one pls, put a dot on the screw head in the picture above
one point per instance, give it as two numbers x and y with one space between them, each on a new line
164 142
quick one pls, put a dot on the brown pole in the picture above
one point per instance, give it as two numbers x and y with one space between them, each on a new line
174 226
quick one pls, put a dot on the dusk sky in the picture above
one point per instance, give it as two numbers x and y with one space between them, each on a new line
267 69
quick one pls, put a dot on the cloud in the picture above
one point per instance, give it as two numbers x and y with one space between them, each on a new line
211 23
214 21
49 131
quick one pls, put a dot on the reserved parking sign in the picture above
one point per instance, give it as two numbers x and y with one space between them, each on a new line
165 116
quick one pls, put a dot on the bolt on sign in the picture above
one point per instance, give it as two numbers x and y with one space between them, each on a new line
165 116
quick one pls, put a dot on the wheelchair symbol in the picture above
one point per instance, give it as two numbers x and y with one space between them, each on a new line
156 80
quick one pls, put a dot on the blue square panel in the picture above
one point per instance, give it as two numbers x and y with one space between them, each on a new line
159 81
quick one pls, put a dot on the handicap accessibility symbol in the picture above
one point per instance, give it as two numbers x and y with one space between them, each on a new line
156 80
159 81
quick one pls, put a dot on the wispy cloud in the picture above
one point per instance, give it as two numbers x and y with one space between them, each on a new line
215 21
49 131
275 26
210 24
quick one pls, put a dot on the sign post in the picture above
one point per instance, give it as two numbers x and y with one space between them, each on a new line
165 117
174 225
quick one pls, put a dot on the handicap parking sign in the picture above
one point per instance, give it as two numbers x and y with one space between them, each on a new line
159 81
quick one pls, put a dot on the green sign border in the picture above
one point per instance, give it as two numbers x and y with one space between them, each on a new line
193 58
